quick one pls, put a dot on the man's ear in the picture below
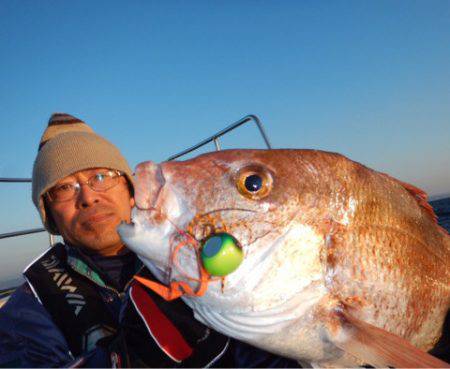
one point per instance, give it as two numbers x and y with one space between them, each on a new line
132 202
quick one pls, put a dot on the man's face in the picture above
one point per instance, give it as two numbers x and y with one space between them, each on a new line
90 219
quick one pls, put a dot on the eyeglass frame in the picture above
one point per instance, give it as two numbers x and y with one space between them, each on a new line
77 185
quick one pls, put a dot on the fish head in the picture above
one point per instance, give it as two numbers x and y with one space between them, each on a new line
268 200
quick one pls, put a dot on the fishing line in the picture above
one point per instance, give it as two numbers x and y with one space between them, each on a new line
179 288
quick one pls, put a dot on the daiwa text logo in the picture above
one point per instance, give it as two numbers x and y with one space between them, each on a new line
63 281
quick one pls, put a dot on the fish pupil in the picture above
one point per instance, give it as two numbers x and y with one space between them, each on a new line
253 183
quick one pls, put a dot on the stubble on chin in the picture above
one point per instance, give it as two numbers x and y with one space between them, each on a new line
99 238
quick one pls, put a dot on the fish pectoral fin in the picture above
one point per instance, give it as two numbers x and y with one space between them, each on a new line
379 348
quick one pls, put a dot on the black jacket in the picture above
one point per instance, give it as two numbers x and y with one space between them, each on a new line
44 324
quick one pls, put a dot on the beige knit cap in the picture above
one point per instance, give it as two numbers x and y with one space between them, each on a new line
69 145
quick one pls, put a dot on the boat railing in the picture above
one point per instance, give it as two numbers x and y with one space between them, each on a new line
215 138
52 238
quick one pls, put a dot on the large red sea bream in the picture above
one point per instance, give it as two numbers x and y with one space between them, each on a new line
341 265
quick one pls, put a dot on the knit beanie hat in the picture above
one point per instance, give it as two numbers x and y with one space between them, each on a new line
69 145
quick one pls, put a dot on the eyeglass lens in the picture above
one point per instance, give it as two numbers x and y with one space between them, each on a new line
101 181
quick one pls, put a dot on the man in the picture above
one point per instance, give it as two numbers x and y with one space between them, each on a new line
72 310
82 188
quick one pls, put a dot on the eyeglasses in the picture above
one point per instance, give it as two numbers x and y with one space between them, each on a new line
100 182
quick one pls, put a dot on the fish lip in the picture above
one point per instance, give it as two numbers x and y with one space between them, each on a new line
125 229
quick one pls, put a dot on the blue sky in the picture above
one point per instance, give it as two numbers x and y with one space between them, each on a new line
369 79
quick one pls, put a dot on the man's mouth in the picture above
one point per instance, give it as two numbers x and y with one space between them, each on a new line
98 218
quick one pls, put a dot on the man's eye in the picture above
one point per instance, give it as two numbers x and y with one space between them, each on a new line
65 187
102 177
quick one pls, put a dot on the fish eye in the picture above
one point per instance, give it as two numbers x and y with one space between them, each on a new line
254 182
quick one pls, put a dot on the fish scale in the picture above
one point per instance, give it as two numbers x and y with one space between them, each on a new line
384 267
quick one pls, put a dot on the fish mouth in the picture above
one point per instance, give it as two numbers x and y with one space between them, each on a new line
126 230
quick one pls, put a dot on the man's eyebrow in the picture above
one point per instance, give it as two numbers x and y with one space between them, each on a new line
93 171
65 180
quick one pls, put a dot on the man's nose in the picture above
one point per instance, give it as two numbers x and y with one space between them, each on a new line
86 196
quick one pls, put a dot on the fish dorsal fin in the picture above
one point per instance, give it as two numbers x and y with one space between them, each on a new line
380 348
419 195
